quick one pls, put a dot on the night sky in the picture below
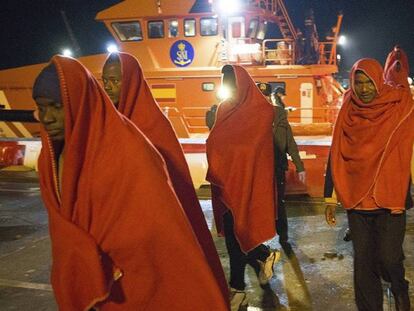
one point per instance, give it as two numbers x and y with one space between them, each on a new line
32 31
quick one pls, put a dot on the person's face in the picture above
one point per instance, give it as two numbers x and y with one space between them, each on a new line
52 116
112 80
364 88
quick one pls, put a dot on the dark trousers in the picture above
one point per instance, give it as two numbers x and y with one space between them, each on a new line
238 259
377 240
281 222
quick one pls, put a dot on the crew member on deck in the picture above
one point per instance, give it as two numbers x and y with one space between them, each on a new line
125 84
120 240
284 144
240 159
370 169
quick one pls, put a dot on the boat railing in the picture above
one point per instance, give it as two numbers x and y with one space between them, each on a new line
327 53
194 117
278 51
327 114
269 5
244 51
327 50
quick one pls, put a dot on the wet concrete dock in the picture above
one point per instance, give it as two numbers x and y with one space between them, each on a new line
315 275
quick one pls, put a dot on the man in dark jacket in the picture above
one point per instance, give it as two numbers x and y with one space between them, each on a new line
284 144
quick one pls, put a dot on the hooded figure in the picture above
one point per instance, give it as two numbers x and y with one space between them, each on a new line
397 68
240 159
136 102
240 170
120 239
378 164
370 167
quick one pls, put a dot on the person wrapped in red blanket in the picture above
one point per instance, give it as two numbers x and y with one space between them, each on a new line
241 162
120 239
124 82
370 168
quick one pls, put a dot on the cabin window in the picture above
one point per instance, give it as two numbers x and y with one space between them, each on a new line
253 26
236 30
128 31
173 28
208 86
275 85
189 27
208 26
156 29
261 33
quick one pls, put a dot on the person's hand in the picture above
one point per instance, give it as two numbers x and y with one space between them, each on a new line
302 177
330 211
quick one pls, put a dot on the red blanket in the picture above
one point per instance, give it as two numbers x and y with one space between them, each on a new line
372 144
240 159
119 236
138 104
397 68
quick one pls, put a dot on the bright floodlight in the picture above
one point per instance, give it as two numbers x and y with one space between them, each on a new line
338 57
223 93
67 53
112 48
342 40
228 7
410 80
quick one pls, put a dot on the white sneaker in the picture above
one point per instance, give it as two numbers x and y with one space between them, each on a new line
238 299
266 267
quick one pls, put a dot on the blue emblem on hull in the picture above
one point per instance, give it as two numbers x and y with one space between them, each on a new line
182 53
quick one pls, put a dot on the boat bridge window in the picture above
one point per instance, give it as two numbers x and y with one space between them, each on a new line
208 26
155 29
128 31
253 27
189 27
261 33
173 28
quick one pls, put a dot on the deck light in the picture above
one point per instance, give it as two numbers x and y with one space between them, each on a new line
223 93
67 53
342 40
112 48
228 7
241 49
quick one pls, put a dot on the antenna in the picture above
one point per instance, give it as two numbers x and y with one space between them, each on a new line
71 34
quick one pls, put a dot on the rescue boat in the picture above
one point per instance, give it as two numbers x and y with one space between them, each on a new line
182 45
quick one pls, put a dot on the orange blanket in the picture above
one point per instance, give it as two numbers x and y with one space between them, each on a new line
397 68
120 239
240 159
137 104
372 144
